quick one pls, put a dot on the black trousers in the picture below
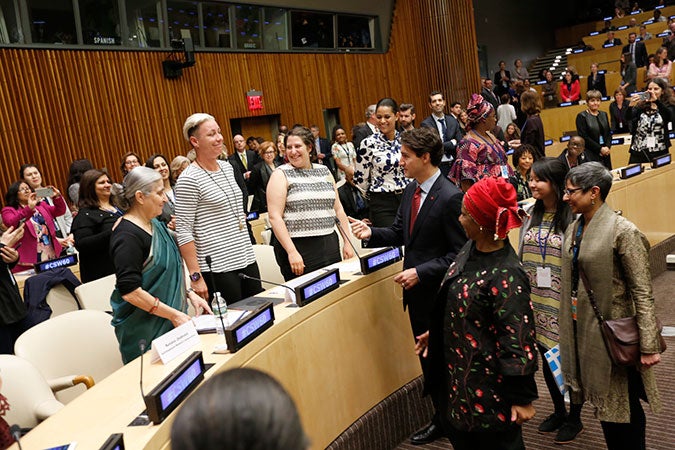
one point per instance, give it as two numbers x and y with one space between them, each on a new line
316 251
502 440
383 207
629 436
230 286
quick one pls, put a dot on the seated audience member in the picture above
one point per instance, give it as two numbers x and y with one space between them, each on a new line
260 175
512 133
353 201
178 165
241 409
92 227
574 154
522 160
39 241
611 40
661 67
549 91
569 88
617 112
658 17
596 81
644 34
129 161
13 307
31 175
77 168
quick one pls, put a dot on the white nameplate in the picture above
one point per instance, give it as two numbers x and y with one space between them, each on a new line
175 342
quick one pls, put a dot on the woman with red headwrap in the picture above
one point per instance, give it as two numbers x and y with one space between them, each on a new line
483 327
480 154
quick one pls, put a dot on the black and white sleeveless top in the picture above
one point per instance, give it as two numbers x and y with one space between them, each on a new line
310 201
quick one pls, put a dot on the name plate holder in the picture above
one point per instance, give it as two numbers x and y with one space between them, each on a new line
248 328
56 263
661 161
173 389
630 171
310 287
618 141
114 442
173 343
380 259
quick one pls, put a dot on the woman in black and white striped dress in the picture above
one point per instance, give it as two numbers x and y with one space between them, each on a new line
303 203
211 218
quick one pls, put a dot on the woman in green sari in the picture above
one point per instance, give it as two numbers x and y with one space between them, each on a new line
150 297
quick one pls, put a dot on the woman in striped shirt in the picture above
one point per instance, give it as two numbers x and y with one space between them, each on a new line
211 217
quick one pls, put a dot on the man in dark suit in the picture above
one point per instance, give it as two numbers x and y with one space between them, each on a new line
611 40
362 132
427 223
446 126
323 151
243 159
488 94
637 50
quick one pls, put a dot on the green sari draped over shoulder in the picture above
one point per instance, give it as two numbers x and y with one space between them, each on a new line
162 278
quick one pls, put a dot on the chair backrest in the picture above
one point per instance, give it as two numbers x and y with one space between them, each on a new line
266 236
29 396
76 343
96 294
61 301
267 263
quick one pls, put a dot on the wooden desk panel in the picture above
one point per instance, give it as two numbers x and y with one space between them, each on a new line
606 58
338 357
653 28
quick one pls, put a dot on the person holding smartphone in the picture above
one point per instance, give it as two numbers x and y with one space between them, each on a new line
39 242
651 118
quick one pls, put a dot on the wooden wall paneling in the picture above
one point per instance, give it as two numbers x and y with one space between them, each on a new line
60 105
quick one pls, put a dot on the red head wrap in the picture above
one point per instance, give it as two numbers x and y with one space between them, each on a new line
492 203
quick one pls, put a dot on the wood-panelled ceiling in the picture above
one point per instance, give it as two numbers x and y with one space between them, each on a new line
60 105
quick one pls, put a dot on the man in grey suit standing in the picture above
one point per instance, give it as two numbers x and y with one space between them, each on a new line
362 132
447 127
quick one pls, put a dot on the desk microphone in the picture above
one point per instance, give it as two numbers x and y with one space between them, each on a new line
141 346
246 277
345 237
15 430
219 348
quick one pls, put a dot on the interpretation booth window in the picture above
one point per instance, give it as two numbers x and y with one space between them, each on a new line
145 23
52 21
216 18
153 24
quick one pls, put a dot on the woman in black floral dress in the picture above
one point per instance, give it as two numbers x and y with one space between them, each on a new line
484 330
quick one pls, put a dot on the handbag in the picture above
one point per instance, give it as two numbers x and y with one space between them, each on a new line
621 336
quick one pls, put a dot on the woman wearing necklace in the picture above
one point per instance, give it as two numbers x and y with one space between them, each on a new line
479 154
540 250
160 164
150 296
39 241
303 205
344 153
211 200
593 126
92 226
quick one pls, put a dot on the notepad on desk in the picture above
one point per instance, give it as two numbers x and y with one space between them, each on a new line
206 323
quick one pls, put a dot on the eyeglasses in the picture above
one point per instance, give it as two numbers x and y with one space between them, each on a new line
271 152
569 192
25 190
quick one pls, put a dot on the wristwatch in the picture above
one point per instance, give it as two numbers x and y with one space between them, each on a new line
195 276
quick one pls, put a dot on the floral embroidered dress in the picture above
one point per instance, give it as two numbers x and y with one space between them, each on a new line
477 160
488 339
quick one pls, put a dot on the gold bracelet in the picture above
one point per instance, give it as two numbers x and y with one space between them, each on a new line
154 307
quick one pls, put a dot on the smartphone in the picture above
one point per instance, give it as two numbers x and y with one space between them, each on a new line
645 96
44 192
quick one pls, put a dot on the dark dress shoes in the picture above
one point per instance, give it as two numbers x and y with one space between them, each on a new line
427 434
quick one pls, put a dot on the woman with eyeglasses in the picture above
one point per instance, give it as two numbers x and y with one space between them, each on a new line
39 242
261 173
607 257
129 161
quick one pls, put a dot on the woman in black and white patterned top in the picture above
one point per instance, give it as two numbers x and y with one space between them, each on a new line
211 218
303 204
377 171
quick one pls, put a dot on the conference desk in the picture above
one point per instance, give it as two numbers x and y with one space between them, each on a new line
599 39
338 357
606 58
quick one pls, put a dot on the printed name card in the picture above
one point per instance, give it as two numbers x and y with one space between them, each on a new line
173 343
